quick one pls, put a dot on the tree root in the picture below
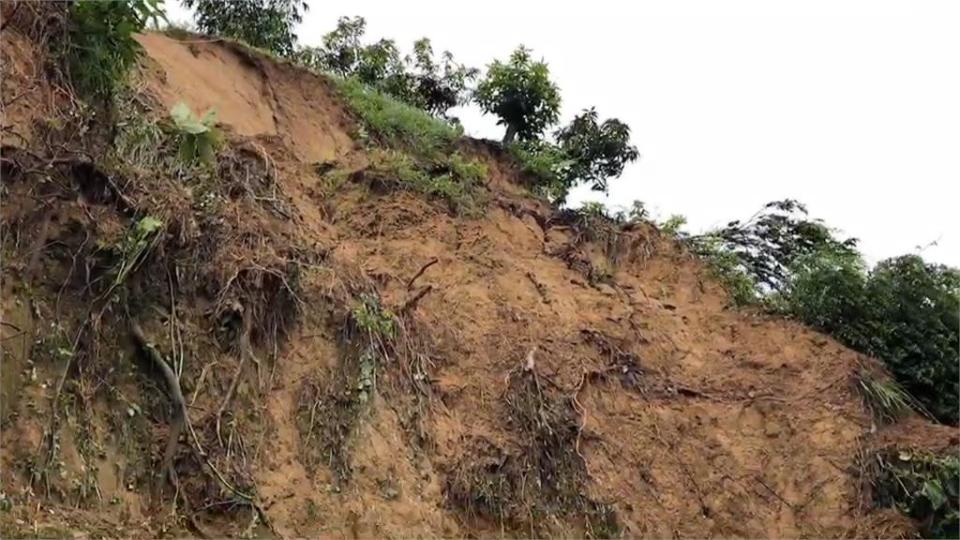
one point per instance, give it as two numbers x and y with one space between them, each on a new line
181 421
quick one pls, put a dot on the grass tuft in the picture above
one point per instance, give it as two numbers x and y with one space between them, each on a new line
396 124
885 398
454 179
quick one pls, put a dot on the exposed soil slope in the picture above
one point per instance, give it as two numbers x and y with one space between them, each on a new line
521 395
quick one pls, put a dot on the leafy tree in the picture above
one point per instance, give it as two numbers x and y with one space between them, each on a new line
598 151
267 24
418 80
917 325
100 49
828 291
905 312
341 49
768 244
439 87
586 151
521 93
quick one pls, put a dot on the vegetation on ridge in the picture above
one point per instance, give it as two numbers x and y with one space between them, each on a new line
267 24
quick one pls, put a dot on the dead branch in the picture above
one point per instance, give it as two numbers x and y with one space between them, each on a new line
423 269
181 415
226 398
176 396
412 303
774 493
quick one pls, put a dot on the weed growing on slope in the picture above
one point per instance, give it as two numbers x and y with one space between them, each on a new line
454 179
132 250
198 139
373 319
328 415
923 486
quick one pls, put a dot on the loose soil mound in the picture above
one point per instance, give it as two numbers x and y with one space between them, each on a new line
522 378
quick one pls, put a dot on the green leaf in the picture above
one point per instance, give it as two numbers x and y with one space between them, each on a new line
210 118
934 493
186 121
148 225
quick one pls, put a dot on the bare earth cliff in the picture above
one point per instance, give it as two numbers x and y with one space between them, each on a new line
357 360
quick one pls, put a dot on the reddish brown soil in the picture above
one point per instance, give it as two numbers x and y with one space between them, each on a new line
695 419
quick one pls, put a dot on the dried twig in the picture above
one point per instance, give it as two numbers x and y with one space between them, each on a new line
423 269
412 303
226 398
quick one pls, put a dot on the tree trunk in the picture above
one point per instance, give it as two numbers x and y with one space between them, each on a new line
510 135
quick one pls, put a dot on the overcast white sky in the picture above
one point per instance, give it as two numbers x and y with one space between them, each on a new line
852 107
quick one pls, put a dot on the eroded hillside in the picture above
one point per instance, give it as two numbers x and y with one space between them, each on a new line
362 359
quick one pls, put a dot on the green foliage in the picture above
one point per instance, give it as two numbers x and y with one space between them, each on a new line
453 179
725 265
100 49
769 243
923 486
177 30
599 151
546 164
139 140
417 80
638 212
131 251
586 152
593 209
828 292
521 94
370 317
904 312
397 124
917 321
198 138
267 24
673 224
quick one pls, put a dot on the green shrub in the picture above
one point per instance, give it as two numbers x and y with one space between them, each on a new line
904 312
724 265
922 486
371 318
100 49
587 151
418 80
546 165
599 150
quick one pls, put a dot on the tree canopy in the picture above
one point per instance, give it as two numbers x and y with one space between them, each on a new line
420 80
267 24
598 151
521 93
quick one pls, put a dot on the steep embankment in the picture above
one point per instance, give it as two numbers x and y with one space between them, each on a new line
361 361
